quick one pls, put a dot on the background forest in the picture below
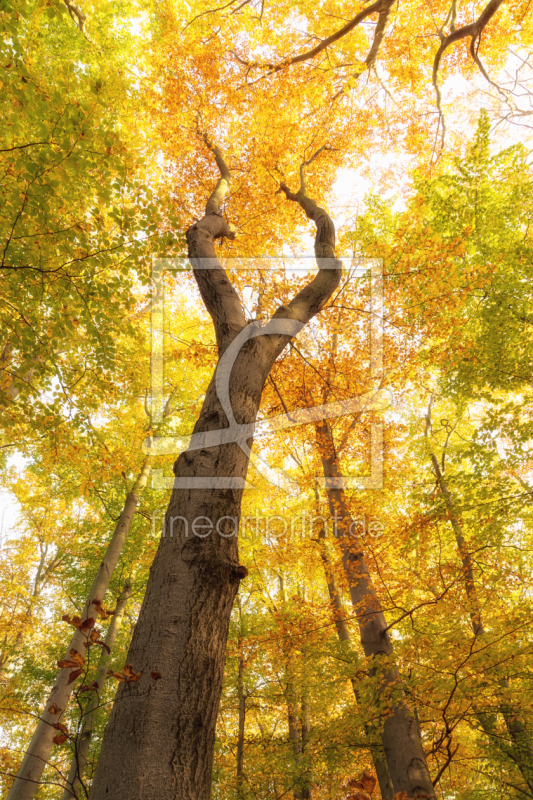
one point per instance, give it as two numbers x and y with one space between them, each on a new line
410 123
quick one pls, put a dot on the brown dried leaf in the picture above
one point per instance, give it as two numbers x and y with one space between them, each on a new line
73 675
368 782
156 676
131 676
77 657
60 726
54 710
75 621
61 738
66 664
104 645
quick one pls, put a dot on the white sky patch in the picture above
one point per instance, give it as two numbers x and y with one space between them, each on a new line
9 505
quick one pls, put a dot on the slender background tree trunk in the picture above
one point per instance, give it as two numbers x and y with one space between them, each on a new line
520 748
74 787
403 748
377 752
29 775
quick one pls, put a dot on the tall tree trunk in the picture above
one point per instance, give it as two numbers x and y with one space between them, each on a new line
158 744
299 730
242 720
305 726
241 698
464 552
404 753
74 787
37 755
520 751
377 752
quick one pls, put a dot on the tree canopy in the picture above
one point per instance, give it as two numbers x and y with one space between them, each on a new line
367 633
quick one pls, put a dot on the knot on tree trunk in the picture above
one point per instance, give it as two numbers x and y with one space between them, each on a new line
238 573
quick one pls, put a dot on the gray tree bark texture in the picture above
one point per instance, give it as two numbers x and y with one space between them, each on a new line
158 744
35 759
403 748
75 788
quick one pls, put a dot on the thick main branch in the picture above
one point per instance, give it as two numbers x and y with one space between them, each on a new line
315 295
218 294
474 30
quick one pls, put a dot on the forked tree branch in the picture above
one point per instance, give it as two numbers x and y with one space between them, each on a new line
474 30
376 44
315 295
381 7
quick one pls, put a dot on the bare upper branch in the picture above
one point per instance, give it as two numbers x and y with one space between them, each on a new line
222 187
218 294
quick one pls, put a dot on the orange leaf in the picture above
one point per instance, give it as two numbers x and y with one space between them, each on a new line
131 676
60 738
368 782
54 710
66 664
60 726
75 621
73 675
77 657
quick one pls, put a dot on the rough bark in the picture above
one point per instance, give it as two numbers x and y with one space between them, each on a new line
74 787
158 744
402 744
37 755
